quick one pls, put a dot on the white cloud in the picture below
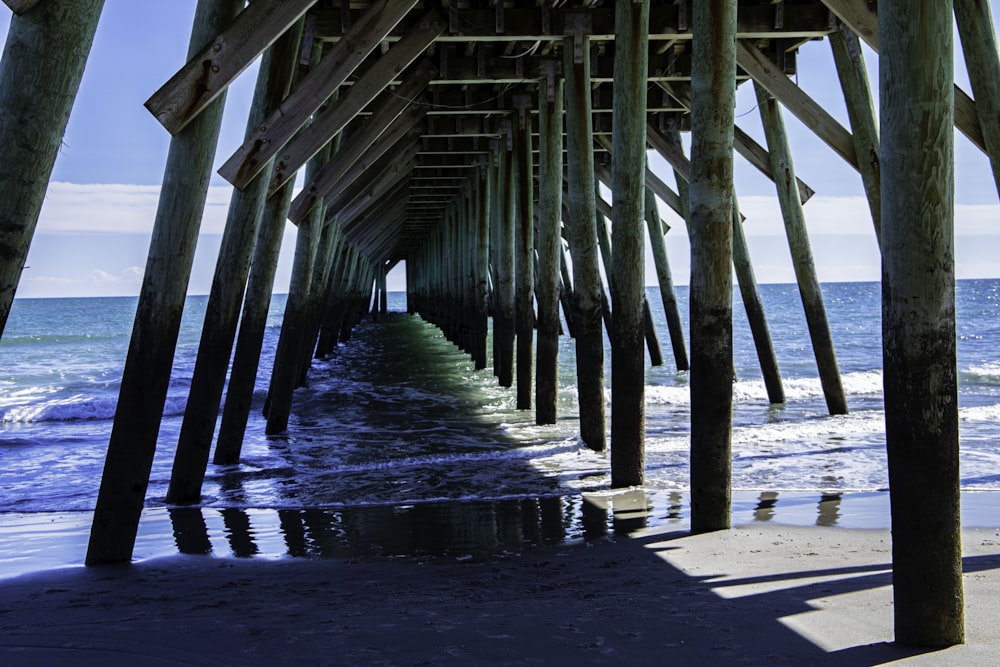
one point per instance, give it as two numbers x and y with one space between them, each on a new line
99 277
118 208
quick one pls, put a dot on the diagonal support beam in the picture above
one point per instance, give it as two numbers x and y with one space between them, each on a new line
377 78
861 19
315 89
394 119
210 72
760 158
368 185
743 143
653 182
815 117
979 44
849 59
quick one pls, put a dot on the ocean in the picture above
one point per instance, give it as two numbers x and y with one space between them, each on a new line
398 447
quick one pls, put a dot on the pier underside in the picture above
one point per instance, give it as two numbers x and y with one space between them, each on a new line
500 150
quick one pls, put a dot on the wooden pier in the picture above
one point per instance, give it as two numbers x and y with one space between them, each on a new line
473 140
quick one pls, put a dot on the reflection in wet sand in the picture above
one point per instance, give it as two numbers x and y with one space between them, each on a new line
468 530
829 510
765 507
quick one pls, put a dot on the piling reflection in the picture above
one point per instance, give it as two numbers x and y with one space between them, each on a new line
795 507
765 506
238 533
630 511
190 530
468 530
675 508
829 510
594 518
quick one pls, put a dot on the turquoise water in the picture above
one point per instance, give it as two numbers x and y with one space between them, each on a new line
397 424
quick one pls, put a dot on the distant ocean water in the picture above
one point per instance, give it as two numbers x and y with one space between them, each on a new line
397 418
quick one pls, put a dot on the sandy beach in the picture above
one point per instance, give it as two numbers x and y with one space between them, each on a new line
761 594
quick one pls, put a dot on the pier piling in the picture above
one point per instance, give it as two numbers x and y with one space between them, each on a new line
918 320
158 315
582 235
628 378
713 70
42 66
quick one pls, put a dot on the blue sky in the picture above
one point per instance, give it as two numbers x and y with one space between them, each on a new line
93 233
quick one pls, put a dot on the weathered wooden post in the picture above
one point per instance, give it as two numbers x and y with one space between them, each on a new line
524 288
483 202
503 318
327 260
918 319
713 92
42 65
581 232
253 323
228 285
495 175
161 301
287 356
801 251
550 169
628 429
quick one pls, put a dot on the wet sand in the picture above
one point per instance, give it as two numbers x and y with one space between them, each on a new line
761 594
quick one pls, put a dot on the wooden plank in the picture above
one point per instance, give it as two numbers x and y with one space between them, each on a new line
526 24
858 15
211 71
815 117
338 63
376 190
331 121
20 6
405 130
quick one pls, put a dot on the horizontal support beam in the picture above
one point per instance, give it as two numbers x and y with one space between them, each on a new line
666 23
